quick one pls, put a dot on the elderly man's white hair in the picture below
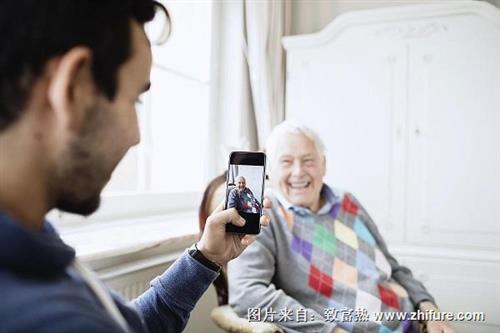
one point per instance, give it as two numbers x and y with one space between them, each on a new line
290 127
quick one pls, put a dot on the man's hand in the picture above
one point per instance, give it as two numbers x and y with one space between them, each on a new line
219 246
435 326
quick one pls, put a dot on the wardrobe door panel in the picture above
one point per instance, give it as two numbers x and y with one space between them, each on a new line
454 134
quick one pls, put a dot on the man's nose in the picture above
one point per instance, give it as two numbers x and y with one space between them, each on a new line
137 139
297 168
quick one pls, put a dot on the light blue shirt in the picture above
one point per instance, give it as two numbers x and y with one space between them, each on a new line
330 195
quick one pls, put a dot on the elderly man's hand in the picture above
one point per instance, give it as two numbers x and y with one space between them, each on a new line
219 246
435 326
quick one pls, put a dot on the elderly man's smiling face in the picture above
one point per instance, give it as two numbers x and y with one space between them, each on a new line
241 183
298 170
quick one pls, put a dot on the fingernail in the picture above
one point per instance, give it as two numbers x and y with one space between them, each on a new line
241 221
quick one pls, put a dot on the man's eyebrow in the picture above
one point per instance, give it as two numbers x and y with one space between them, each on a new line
285 156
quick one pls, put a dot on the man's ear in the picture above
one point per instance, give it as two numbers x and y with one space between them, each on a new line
71 86
324 165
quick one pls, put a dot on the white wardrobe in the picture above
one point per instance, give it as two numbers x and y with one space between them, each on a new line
407 100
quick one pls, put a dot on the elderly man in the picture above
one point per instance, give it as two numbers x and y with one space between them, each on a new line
323 266
242 198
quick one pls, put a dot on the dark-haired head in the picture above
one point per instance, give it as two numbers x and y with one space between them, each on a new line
34 31
70 74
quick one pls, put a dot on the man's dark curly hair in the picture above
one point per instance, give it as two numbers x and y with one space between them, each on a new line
34 31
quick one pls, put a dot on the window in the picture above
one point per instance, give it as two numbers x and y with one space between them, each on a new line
167 170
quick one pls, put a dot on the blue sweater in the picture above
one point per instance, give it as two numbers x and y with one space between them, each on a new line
40 293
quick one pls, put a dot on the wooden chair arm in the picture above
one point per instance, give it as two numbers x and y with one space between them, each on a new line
229 321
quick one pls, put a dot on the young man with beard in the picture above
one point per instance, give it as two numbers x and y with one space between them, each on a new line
70 76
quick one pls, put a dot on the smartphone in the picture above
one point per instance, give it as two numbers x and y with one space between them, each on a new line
245 189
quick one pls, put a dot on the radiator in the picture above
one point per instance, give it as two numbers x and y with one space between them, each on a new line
132 279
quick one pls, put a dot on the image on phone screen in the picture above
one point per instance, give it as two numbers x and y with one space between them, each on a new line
245 189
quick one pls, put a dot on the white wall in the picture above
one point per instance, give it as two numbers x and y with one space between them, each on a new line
309 16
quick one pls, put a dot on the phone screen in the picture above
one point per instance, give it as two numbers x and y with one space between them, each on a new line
245 189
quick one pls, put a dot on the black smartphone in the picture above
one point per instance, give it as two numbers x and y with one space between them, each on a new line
245 189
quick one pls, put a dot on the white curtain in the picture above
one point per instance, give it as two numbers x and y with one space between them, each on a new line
248 76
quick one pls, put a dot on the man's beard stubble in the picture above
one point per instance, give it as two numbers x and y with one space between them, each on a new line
76 183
